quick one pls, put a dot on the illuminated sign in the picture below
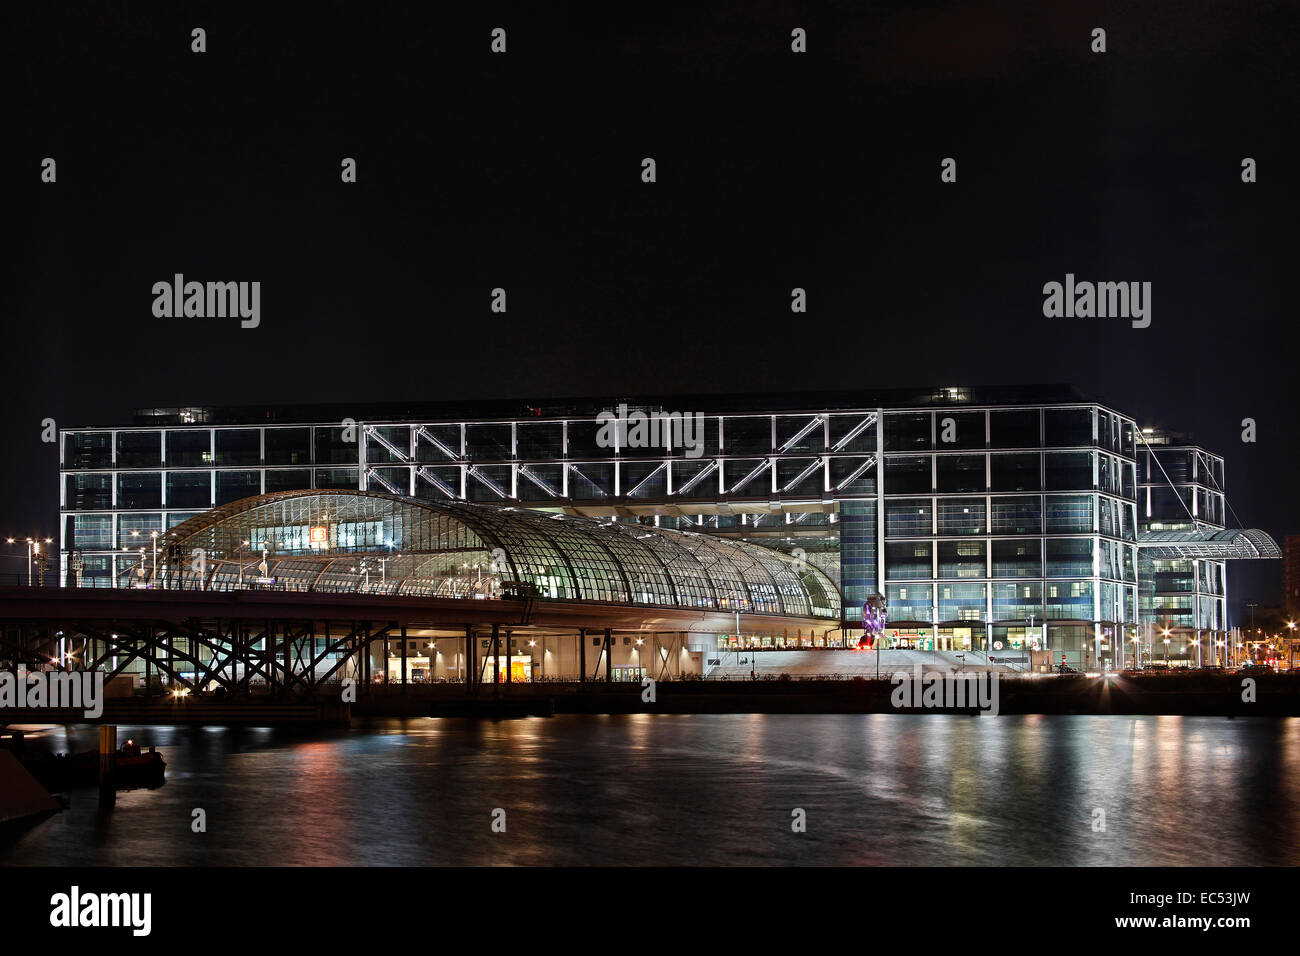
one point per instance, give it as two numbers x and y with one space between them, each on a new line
318 535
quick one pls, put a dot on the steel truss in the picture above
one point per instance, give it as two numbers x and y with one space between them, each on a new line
193 655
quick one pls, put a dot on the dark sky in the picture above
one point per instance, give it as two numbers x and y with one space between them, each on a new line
775 170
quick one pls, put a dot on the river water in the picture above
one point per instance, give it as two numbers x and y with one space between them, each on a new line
882 789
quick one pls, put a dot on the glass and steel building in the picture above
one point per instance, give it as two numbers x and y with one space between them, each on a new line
992 519
1183 527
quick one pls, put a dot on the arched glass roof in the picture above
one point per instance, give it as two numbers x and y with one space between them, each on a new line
343 540
1209 543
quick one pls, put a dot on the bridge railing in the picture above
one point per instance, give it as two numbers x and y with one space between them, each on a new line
17 579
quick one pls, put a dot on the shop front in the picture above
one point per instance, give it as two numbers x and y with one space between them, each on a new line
909 637
963 638
417 669
521 668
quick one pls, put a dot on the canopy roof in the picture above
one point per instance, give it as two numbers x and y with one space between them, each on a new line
1209 543
347 540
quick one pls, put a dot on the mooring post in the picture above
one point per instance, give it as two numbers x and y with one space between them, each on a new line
496 658
471 660
107 766
365 656
246 658
269 656
288 656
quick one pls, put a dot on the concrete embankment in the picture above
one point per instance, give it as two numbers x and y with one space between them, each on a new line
1193 694
1270 695
817 662
265 712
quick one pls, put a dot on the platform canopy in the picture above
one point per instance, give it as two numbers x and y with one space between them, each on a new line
1210 544
360 541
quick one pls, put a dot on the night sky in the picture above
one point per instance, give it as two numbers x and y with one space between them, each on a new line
775 170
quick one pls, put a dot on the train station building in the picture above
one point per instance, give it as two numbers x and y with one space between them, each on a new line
997 520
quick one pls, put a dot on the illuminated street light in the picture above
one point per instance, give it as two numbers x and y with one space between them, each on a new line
33 550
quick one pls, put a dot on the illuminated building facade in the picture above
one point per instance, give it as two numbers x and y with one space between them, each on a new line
1183 596
995 520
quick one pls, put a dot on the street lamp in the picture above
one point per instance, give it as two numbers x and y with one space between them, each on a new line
1165 632
33 550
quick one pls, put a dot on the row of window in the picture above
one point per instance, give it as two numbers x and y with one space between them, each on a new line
1023 471
1009 428
482 483
1053 600
1183 506
1165 576
712 435
1203 611
1180 465
192 489
1013 558
1025 514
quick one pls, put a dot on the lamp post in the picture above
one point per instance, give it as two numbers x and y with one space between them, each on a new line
240 552
33 550
153 576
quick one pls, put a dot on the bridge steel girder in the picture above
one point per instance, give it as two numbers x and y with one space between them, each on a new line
212 636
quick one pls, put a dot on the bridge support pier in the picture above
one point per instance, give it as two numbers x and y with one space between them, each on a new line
471 660
496 658
268 655
365 659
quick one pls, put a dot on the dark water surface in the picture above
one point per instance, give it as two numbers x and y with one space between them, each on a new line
877 789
